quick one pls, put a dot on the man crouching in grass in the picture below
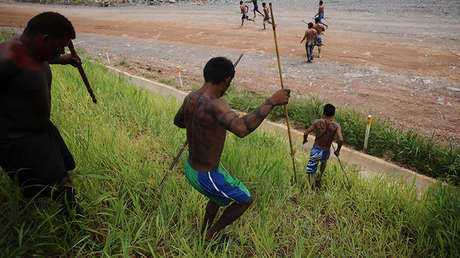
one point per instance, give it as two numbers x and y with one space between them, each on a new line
31 148
325 131
207 118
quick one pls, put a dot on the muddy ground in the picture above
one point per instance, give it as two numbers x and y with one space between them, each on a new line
402 65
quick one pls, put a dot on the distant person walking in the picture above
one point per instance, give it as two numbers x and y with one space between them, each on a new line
207 118
310 37
266 15
320 13
325 130
244 11
319 39
256 7
31 148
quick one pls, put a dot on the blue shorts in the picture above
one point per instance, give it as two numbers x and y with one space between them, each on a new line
316 155
320 17
217 185
319 41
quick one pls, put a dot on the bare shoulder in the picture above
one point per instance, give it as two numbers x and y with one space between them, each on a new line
219 106
12 50
335 125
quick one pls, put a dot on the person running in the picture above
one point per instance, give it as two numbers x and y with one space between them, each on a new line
207 118
310 37
320 14
31 149
256 8
266 15
319 30
325 130
244 10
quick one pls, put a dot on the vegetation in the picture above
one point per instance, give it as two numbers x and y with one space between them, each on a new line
124 144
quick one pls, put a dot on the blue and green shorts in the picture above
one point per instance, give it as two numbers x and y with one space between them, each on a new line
217 185
316 155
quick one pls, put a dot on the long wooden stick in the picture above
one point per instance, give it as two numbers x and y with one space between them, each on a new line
176 159
82 72
340 163
282 87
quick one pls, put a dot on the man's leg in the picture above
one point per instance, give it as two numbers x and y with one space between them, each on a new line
211 211
322 168
232 213
306 50
319 51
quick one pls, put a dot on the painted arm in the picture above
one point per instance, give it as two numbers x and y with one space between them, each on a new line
304 37
242 126
179 119
308 131
66 59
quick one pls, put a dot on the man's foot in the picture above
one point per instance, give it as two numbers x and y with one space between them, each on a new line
318 183
219 243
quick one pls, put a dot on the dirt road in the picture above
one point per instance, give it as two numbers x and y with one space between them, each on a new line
403 68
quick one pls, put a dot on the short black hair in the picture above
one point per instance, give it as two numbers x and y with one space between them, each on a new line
320 2
329 110
218 69
316 20
263 4
52 24
241 2
310 25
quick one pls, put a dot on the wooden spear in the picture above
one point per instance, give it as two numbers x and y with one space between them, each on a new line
176 159
282 87
82 72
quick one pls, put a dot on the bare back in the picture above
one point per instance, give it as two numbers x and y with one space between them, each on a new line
25 99
325 133
319 28
310 35
206 136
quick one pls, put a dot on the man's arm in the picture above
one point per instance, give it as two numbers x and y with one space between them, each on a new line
304 37
179 119
248 123
66 59
339 140
308 131
7 70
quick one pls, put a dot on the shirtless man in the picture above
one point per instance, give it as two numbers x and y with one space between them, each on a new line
256 8
325 130
266 15
244 11
207 118
320 14
31 148
310 37
319 30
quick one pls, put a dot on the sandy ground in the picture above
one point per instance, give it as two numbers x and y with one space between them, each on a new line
401 67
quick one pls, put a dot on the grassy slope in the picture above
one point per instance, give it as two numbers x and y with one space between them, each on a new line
122 147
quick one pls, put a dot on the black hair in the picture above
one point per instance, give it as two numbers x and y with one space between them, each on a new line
52 24
316 20
241 2
320 2
218 69
263 4
329 110
310 25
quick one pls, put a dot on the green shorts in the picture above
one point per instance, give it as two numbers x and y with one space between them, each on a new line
217 185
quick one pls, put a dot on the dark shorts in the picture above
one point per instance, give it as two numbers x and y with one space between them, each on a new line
37 158
319 41
245 16
256 8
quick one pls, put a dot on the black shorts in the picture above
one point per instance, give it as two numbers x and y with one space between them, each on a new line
256 8
37 158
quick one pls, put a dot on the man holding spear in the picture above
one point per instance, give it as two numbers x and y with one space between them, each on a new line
31 148
207 118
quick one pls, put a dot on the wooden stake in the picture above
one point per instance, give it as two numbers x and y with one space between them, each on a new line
82 72
282 87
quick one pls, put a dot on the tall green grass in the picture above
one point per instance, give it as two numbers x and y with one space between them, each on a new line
124 144
406 147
